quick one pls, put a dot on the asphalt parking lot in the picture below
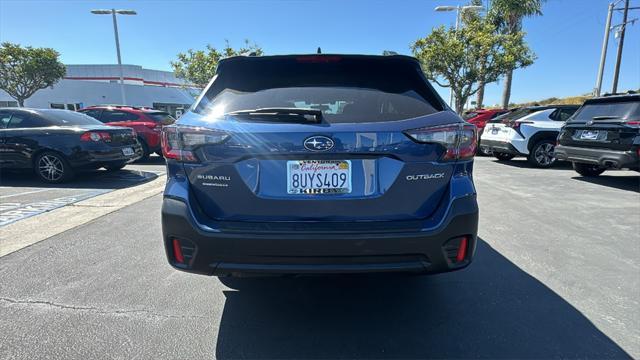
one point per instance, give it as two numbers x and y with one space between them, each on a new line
555 276
22 195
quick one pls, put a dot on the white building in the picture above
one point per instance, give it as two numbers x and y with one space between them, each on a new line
86 85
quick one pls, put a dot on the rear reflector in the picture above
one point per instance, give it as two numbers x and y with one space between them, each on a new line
177 251
462 250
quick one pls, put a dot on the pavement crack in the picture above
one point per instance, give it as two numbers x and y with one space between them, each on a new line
119 312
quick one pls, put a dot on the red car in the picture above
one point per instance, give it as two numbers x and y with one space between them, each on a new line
146 122
480 117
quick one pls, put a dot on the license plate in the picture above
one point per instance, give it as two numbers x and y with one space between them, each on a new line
319 177
589 135
127 151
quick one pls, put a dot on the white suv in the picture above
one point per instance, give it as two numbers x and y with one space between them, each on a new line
530 132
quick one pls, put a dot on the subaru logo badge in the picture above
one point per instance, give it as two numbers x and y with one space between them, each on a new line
318 143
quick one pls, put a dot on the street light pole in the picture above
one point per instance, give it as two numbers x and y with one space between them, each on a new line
616 72
113 13
115 32
603 55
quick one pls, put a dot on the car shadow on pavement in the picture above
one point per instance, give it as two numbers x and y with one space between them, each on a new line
94 179
493 309
523 163
629 183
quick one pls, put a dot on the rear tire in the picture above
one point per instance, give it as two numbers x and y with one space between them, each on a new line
587 170
485 151
541 154
53 168
503 156
145 150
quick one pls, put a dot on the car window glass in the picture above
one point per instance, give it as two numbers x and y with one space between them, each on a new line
623 110
161 117
468 115
21 120
94 113
117 115
4 119
344 89
565 114
497 114
67 118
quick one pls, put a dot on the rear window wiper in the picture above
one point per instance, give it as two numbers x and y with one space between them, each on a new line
305 115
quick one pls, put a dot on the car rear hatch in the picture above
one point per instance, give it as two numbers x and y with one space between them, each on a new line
610 123
334 138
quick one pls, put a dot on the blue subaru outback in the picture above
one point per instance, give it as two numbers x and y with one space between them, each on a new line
307 164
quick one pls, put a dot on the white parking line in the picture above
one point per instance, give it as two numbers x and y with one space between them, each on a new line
25 193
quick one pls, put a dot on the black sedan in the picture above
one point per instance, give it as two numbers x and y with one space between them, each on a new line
58 143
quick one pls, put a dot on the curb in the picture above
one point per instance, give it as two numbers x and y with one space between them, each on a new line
18 235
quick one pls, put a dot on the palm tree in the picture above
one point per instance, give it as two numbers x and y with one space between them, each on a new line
508 16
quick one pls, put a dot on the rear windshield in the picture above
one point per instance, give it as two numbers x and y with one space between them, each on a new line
514 115
67 118
346 90
161 117
468 115
608 111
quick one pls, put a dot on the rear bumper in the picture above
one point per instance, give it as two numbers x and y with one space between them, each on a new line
214 252
602 157
499 146
104 155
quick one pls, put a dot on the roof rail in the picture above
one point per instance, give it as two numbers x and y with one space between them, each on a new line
389 53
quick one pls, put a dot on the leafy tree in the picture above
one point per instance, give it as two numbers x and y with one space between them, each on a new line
25 70
199 66
476 53
507 15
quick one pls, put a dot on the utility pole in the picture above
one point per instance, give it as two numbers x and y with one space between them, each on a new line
603 55
616 72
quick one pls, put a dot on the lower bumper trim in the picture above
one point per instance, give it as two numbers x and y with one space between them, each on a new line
499 146
602 157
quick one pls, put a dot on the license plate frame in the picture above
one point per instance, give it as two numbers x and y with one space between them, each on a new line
590 135
128 151
319 174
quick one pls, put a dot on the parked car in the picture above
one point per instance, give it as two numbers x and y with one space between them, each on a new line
529 132
145 121
603 134
57 143
479 118
303 164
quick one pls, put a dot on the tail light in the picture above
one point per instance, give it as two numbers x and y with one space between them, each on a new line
96 136
180 143
633 123
516 124
459 140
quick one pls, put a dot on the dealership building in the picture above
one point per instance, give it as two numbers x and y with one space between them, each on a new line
86 85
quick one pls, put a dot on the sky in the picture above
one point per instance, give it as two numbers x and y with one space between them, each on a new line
567 39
